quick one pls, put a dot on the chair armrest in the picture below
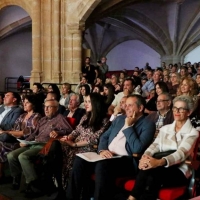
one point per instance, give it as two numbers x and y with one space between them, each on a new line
194 163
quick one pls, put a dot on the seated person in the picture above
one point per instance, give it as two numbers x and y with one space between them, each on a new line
23 126
128 134
164 115
50 126
171 169
66 93
128 88
119 110
73 109
151 104
56 96
10 111
86 134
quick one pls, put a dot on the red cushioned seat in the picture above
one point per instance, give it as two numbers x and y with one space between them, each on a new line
164 194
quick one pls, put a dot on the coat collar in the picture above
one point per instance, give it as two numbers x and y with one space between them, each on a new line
186 128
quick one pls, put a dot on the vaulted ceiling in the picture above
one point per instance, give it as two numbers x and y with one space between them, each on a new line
170 27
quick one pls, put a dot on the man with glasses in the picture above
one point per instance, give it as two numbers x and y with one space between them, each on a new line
50 126
164 114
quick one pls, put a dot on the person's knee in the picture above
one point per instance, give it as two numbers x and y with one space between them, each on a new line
22 157
11 156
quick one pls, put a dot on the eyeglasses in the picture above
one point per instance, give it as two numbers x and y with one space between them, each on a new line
180 110
49 107
158 101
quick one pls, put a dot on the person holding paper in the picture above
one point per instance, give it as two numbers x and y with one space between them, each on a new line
86 134
50 126
23 127
128 134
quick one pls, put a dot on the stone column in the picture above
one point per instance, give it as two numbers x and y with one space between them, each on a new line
73 55
36 42
172 59
56 15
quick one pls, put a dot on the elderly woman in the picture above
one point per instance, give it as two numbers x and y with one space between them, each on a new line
179 136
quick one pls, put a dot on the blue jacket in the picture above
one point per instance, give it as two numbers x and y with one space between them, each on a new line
138 137
9 119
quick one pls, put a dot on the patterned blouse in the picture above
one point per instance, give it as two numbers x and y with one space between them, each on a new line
81 133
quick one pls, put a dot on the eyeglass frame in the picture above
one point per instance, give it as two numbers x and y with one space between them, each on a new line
48 107
175 109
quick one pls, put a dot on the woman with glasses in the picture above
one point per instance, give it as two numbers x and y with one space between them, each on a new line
169 170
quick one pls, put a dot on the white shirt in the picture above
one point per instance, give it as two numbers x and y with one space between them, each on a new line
3 114
117 146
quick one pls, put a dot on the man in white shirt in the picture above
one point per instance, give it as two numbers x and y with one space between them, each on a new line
10 111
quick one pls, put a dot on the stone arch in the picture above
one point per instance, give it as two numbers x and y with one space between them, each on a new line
15 26
25 4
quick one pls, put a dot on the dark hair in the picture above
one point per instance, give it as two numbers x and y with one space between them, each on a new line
37 105
111 93
56 95
87 89
98 112
54 87
140 100
163 86
39 86
17 96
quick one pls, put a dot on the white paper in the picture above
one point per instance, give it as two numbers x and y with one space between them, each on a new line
93 156
29 142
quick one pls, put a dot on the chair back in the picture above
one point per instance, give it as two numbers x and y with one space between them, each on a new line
71 121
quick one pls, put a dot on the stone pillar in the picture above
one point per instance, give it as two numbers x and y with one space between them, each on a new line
56 14
172 59
36 42
73 55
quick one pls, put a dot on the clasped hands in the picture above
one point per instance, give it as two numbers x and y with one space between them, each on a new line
148 162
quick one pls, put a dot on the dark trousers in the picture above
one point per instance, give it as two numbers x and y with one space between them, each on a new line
105 171
53 165
149 182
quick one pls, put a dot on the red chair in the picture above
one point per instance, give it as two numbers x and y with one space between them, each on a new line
71 121
176 192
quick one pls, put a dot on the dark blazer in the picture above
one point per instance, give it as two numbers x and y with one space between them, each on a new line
9 119
168 119
78 114
138 137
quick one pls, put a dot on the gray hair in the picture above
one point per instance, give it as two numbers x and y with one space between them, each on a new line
56 103
77 97
167 95
187 100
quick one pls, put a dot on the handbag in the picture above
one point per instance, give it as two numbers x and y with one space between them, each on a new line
159 155
5 137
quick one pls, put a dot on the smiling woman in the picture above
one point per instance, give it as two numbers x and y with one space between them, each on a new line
179 136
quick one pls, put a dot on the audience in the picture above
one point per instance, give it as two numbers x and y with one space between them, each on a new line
24 125
179 136
86 134
128 134
50 126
